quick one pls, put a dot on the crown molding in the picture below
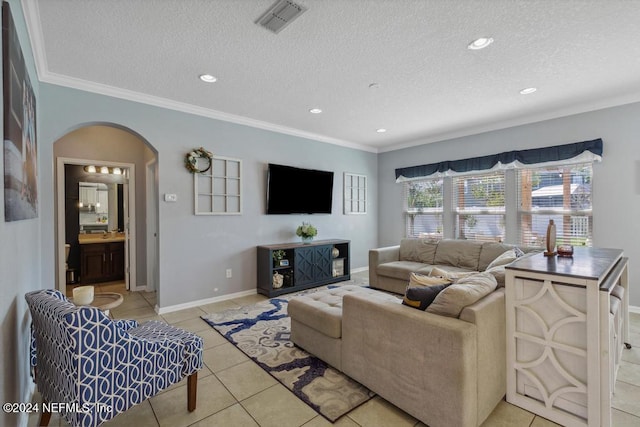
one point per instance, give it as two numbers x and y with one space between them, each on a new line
36 37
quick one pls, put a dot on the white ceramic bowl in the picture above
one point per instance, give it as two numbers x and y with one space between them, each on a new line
83 295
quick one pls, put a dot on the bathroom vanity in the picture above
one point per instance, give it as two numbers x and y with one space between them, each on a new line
101 257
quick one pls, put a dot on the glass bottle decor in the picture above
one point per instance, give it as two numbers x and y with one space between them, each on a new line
551 239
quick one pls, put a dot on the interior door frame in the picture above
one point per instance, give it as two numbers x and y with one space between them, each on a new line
130 224
151 219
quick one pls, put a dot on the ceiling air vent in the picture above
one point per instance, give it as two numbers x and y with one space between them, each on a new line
281 14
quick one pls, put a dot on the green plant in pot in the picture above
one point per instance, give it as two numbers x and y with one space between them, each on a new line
278 256
307 232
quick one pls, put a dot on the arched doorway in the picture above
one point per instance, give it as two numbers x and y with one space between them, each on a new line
115 149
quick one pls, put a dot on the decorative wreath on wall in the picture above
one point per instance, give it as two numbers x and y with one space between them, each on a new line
191 160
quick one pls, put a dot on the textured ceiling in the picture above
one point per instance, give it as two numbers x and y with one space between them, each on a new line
580 54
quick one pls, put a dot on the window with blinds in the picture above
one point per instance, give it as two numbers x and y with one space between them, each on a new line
479 207
561 193
423 202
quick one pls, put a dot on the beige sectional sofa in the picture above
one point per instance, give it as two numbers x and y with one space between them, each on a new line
444 371
390 267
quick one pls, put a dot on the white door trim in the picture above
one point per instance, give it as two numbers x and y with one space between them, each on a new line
152 225
130 257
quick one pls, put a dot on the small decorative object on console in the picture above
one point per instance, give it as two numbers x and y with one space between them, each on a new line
551 239
191 160
277 280
278 257
307 232
565 250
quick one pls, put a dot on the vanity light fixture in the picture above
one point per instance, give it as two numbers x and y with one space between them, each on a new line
103 169
208 78
528 90
315 111
480 43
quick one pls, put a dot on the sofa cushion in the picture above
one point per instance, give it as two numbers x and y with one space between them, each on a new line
421 297
468 290
322 310
399 269
418 250
459 253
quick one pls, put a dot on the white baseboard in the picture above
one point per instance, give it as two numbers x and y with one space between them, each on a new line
169 309
634 309
358 270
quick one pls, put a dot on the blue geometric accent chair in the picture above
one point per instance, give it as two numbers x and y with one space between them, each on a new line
98 367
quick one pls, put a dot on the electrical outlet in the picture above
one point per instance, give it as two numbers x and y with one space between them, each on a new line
229 273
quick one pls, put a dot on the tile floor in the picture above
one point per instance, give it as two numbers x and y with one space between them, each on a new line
233 391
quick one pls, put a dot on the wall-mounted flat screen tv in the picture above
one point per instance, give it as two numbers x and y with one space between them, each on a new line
292 190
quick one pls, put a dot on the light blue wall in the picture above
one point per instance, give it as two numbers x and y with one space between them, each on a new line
195 251
20 267
616 190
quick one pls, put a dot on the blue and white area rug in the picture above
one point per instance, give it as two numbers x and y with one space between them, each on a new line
262 331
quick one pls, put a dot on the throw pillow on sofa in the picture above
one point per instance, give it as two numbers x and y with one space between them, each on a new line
498 270
503 259
497 266
468 290
417 279
421 297
452 276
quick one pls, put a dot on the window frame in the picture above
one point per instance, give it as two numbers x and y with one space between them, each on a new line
512 211
434 212
568 215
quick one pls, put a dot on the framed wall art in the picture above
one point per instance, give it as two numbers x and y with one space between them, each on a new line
355 194
20 148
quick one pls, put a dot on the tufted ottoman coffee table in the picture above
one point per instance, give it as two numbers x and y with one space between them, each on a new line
316 321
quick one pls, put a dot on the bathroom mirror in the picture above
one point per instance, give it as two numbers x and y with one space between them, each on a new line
98 205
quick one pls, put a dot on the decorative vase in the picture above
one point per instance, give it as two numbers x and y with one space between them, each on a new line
551 239
307 240
83 295
335 252
277 280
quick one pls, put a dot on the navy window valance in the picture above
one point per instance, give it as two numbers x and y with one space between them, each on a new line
579 152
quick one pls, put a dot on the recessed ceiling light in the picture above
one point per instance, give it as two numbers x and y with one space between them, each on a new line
374 86
381 130
480 43
528 90
208 78
315 111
